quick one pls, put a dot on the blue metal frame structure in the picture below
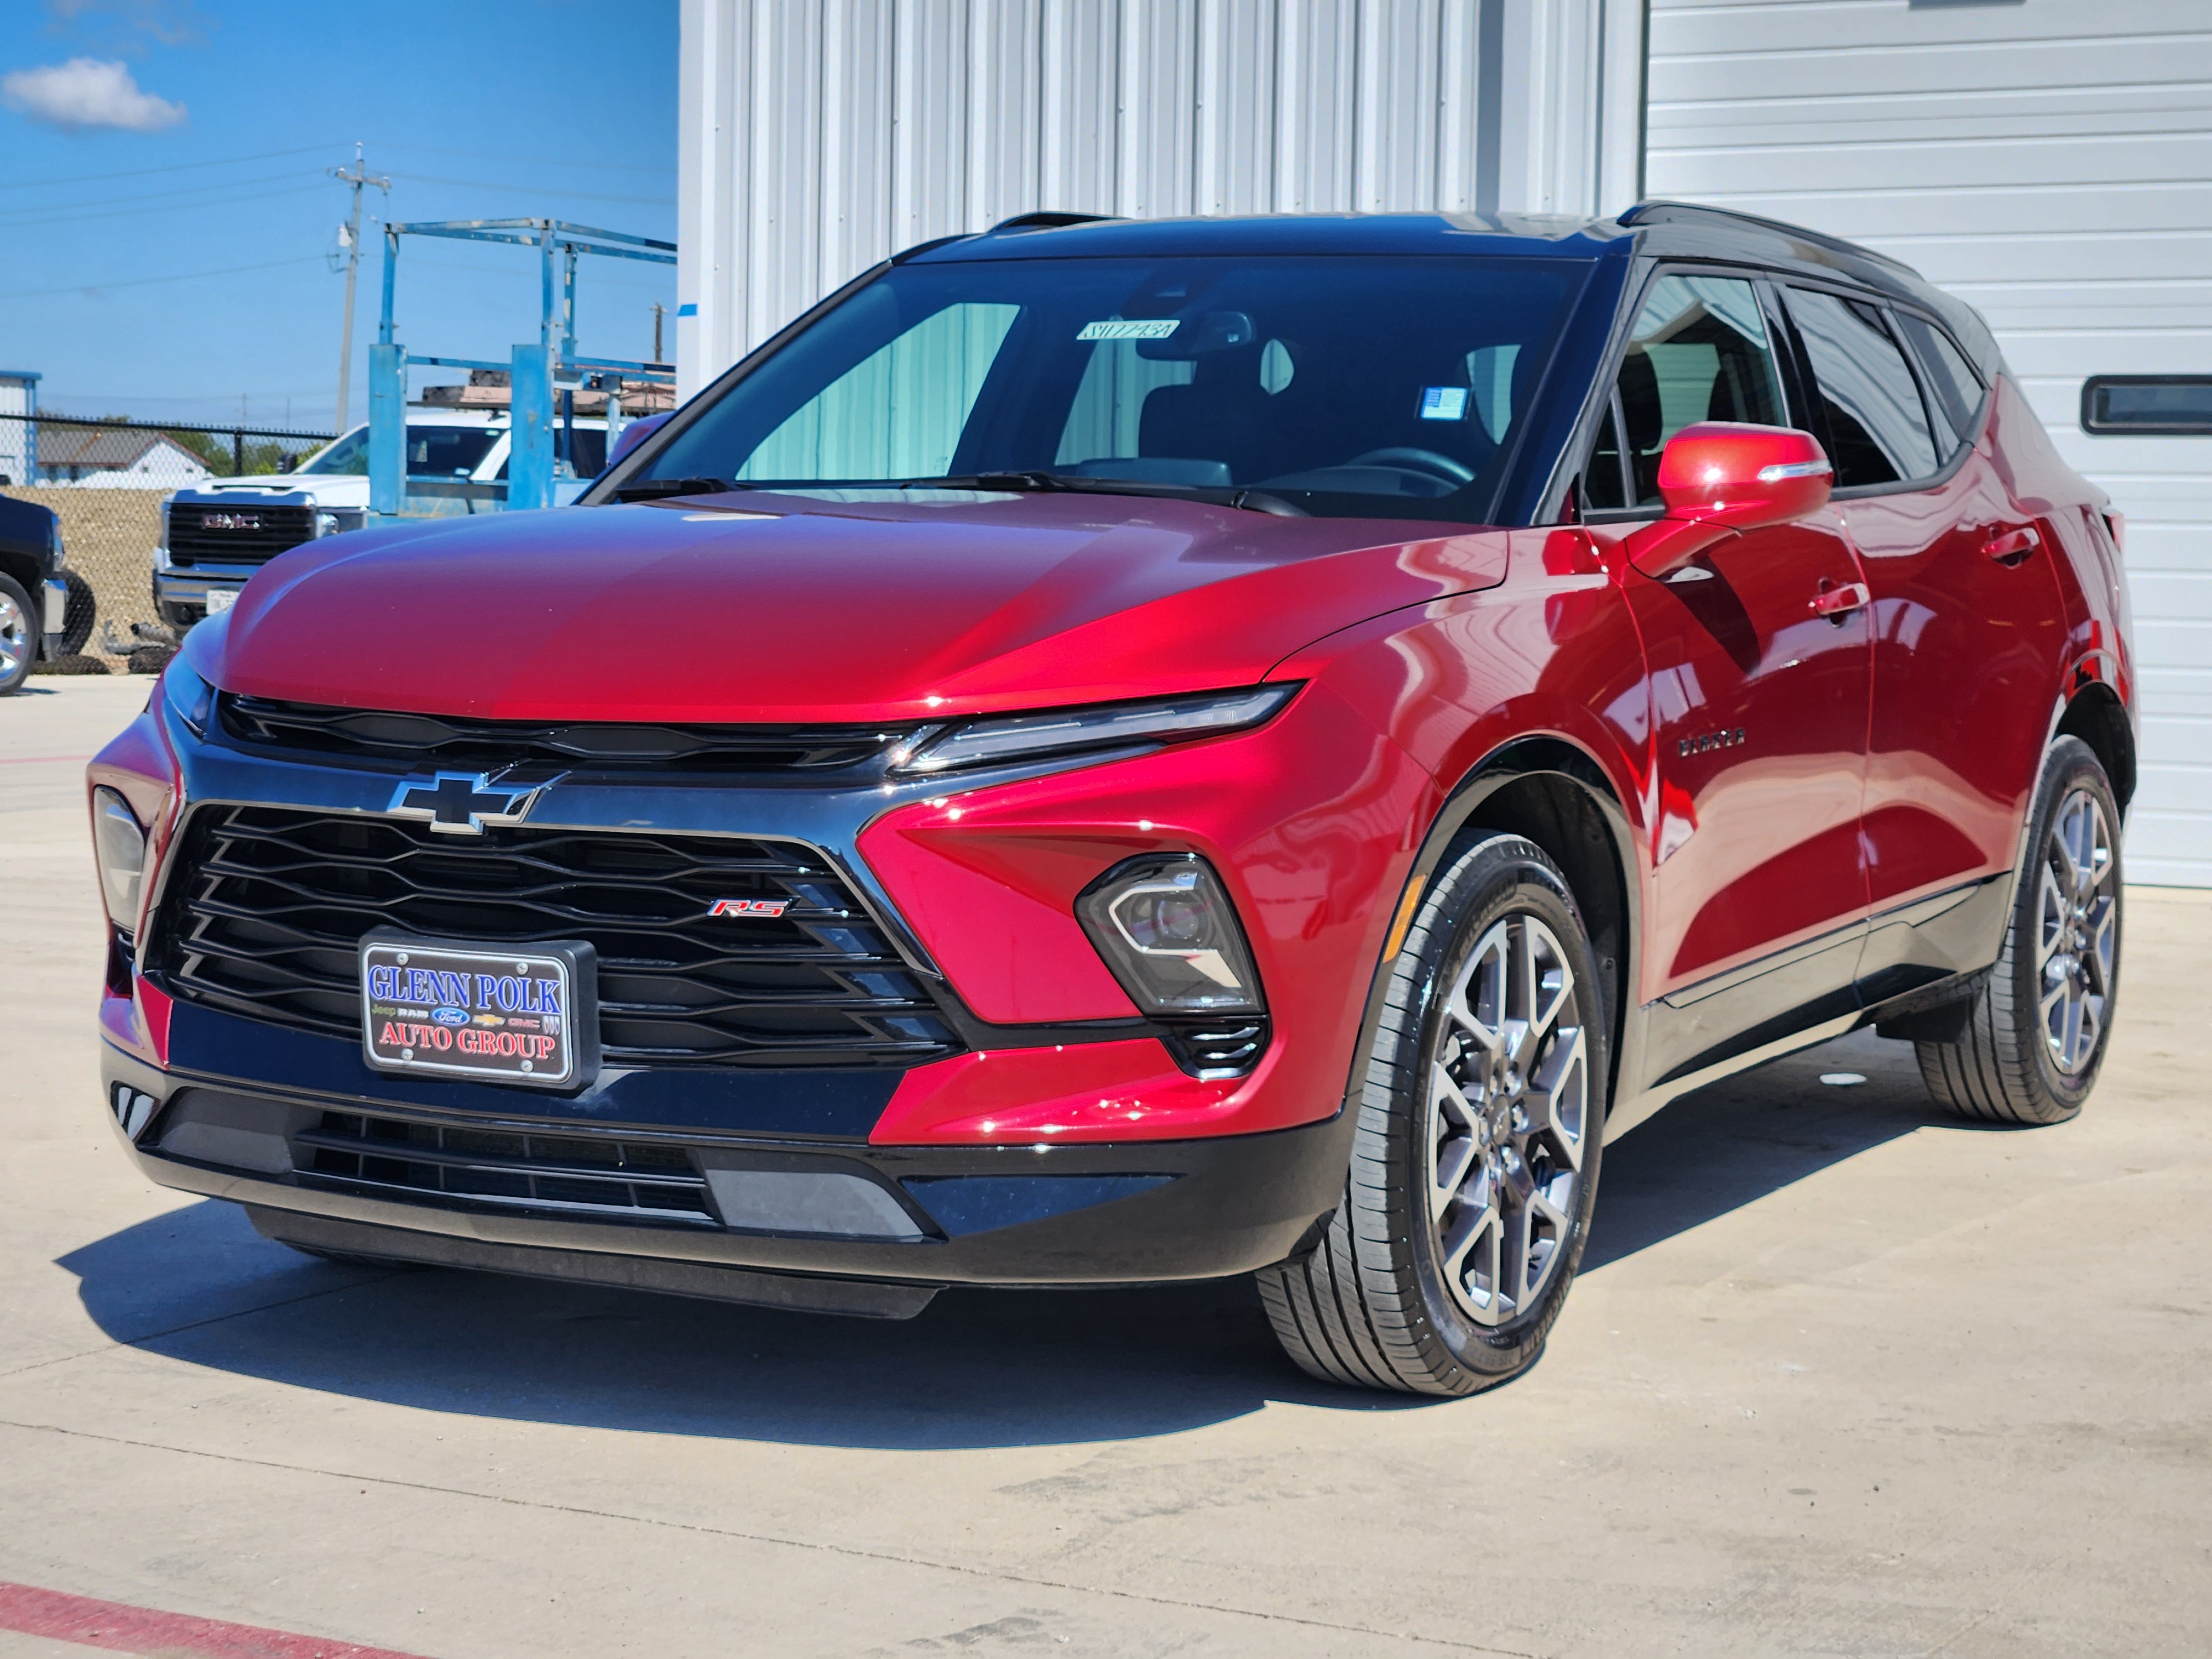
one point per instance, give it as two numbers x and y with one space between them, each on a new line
536 369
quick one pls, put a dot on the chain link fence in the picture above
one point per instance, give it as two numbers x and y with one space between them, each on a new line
105 480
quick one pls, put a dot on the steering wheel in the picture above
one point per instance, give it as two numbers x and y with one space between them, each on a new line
1417 460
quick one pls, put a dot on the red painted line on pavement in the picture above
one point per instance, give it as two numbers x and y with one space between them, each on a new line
124 1629
39 760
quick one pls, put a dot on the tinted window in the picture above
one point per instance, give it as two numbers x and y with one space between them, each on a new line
1353 387
1877 426
433 452
1698 351
1957 388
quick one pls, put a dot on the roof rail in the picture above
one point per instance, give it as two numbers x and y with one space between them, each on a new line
1659 211
1047 219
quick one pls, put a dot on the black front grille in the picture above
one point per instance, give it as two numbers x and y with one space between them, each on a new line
508 1170
264 916
458 741
210 532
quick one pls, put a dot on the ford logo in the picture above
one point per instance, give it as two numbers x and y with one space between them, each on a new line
450 1016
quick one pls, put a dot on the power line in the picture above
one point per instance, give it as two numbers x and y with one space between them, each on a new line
537 190
535 161
129 213
181 167
148 282
157 195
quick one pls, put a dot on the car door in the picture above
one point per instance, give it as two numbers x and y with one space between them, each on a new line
1758 698
1967 620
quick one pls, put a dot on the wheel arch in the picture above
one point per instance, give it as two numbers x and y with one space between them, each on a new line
1550 791
2094 713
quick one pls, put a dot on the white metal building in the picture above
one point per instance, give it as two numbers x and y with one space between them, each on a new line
2050 160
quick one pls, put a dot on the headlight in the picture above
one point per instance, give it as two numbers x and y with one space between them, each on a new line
1164 925
1026 737
120 845
190 697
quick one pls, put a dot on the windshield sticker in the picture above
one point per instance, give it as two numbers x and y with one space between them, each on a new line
1153 329
1443 402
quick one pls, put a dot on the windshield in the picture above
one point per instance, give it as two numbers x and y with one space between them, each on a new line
1345 387
433 452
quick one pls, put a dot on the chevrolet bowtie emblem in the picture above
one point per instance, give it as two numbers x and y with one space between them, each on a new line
462 803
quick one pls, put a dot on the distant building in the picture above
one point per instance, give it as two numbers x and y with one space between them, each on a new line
19 438
121 459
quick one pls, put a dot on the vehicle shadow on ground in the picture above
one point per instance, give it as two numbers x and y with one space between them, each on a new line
978 1368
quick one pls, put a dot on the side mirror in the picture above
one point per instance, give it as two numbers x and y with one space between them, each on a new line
1730 474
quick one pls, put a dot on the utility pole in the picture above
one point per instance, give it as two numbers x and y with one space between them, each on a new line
658 308
351 231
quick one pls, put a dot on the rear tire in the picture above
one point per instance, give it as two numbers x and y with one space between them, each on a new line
2035 1034
1476 1162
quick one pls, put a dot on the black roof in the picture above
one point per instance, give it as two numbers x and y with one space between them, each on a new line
1654 229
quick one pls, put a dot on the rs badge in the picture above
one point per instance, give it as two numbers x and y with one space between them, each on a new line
748 906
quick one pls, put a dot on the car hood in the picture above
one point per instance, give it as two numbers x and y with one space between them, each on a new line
770 608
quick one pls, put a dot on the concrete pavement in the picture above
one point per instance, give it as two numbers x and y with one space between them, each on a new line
1841 1377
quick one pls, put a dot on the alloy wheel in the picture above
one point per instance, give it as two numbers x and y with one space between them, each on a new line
1507 1108
2077 941
16 637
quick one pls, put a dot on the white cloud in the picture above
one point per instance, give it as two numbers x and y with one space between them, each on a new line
87 92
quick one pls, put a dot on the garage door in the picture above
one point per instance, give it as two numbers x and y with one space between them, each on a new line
2051 161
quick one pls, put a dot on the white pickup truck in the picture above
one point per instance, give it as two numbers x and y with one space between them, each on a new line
214 535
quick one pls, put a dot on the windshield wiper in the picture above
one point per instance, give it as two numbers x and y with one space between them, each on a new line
1251 501
655 489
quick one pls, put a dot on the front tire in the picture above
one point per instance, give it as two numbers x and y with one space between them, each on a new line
2035 1033
1474 1168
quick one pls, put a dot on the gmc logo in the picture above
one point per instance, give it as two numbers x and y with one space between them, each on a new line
748 906
231 521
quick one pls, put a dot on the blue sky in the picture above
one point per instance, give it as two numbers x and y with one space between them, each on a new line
145 140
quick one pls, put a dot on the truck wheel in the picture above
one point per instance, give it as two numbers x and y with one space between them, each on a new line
78 615
1475 1165
20 628
2035 1033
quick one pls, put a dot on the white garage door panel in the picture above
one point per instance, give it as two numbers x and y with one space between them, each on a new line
2050 163
1843 164
2180 694
1921 208
2179 596
1818 119
2156 548
1873 71
1957 261
1766 26
2041 302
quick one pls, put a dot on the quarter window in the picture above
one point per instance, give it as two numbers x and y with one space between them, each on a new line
1878 427
1698 351
1957 389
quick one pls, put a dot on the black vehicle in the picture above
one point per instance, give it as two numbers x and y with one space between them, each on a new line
34 595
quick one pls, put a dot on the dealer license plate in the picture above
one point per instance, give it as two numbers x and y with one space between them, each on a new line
220 599
525 1016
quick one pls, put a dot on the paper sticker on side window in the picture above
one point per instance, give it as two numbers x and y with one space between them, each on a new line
1157 328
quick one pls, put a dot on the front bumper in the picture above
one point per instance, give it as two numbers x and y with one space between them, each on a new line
188 590
778 1226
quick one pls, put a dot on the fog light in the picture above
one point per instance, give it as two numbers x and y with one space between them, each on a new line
120 845
1164 925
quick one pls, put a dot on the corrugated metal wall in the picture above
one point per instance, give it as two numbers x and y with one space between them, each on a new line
820 135
2051 162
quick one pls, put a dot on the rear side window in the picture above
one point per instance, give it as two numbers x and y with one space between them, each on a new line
1877 426
1698 351
1951 378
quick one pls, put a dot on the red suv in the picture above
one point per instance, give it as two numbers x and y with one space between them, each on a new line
1112 752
